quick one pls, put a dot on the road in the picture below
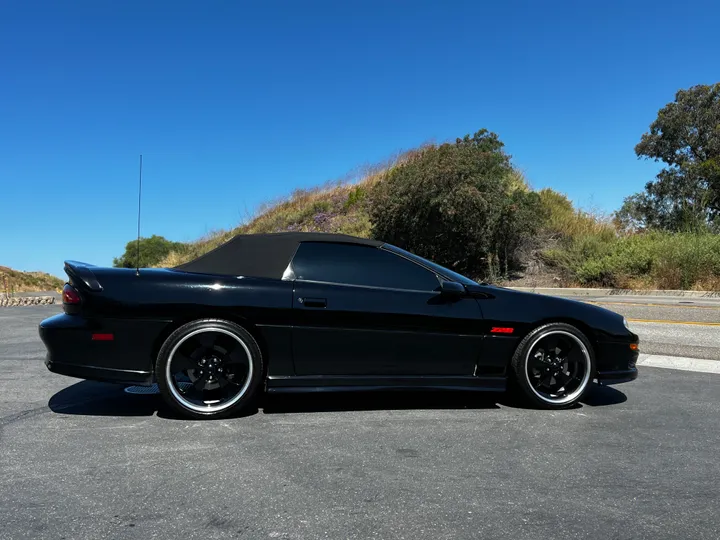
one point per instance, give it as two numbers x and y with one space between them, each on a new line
85 460
688 327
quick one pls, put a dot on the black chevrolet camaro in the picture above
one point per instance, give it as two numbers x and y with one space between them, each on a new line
308 312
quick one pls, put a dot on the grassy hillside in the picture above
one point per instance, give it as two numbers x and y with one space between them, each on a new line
336 207
572 248
18 281
340 207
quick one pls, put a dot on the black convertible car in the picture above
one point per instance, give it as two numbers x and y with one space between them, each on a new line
307 312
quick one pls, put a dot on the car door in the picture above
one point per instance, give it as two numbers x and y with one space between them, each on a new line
361 310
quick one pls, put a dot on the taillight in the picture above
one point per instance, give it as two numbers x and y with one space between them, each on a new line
70 295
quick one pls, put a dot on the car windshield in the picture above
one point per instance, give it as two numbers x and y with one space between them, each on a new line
436 267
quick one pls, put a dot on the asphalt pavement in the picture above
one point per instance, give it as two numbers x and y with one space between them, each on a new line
84 460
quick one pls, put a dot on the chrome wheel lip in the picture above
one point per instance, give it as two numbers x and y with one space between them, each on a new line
172 385
586 377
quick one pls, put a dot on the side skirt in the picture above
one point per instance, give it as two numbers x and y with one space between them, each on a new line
312 383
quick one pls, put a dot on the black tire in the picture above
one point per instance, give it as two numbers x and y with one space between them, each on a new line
233 366
554 377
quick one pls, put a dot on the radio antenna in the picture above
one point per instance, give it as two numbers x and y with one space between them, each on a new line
137 266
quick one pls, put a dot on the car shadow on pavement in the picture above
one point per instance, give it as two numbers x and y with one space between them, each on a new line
377 400
101 399
596 396
599 396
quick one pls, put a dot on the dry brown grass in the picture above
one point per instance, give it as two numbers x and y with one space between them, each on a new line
567 222
710 283
338 206
18 281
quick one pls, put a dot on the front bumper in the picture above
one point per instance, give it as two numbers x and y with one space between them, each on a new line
617 377
616 362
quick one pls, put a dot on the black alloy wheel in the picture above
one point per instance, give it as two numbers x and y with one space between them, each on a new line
209 368
554 365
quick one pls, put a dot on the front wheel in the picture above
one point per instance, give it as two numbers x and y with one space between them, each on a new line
209 369
554 365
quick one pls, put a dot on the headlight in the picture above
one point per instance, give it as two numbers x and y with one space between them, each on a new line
626 323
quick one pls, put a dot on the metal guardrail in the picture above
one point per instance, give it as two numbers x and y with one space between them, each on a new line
590 292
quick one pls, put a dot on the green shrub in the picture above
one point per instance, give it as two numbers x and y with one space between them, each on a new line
356 196
459 205
152 250
658 259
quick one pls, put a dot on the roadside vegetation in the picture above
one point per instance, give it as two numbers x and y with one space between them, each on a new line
465 205
151 251
15 281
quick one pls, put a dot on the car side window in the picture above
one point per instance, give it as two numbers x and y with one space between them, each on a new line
354 264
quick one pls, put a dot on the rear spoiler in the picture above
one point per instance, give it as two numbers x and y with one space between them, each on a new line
82 271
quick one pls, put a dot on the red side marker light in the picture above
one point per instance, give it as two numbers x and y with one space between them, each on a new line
501 330
103 337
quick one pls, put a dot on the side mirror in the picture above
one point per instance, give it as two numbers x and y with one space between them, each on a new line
452 288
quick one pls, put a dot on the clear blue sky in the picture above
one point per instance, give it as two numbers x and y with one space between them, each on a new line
234 103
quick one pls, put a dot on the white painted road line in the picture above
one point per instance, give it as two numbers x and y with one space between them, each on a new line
679 362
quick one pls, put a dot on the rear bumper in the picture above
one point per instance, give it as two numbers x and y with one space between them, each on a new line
127 358
94 373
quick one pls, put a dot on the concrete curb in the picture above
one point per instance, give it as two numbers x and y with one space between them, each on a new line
676 362
26 301
580 291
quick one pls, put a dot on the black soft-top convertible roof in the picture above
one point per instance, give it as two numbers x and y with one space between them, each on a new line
262 255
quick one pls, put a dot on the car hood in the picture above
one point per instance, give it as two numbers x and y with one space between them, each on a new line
508 304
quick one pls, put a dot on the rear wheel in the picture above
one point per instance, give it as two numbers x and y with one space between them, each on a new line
209 369
554 365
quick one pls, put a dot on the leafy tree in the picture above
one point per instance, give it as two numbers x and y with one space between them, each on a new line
686 194
152 251
458 204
